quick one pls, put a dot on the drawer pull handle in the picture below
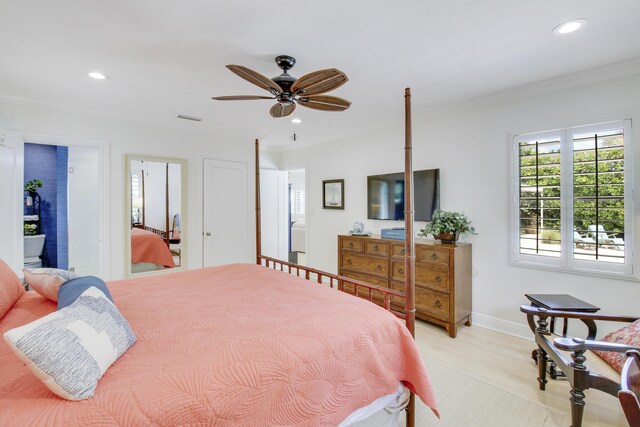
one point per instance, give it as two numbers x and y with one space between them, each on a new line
349 261
379 267
376 247
402 252
350 244
434 255
438 303
438 279
401 270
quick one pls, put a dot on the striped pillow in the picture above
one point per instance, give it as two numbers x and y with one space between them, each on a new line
70 349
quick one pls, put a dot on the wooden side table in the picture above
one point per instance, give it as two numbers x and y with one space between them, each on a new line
561 302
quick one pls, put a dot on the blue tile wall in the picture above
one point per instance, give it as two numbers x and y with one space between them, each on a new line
62 240
49 164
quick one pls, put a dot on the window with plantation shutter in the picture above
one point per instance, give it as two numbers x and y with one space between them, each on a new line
297 202
572 204
539 170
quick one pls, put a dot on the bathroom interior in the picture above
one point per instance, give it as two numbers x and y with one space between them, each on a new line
60 224
297 223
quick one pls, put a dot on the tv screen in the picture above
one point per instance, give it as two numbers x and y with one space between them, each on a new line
385 195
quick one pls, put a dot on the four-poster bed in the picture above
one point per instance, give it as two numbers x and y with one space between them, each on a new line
239 344
353 286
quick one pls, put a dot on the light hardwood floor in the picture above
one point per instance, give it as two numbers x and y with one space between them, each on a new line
505 362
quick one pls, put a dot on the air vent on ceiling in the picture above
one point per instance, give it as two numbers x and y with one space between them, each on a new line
194 119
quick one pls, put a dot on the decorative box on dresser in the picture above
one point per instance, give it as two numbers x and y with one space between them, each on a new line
442 275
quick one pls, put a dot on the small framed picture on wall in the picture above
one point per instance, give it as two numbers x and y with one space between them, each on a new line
333 194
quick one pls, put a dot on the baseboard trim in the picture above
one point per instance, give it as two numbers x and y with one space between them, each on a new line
504 326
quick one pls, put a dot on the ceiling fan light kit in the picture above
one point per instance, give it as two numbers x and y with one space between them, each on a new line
288 91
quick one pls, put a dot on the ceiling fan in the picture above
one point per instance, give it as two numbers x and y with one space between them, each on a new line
307 91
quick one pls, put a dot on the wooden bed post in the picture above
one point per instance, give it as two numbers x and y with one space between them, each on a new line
409 260
166 208
258 232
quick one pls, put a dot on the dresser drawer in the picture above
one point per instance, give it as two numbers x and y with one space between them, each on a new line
431 302
351 244
428 302
366 264
397 250
376 247
433 254
432 277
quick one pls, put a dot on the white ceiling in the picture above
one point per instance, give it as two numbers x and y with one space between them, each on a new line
166 58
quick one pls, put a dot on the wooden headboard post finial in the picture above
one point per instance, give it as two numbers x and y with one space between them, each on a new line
409 260
258 220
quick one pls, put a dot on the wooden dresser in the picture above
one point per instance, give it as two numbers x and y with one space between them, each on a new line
442 274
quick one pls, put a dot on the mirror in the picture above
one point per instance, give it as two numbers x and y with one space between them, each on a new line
155 208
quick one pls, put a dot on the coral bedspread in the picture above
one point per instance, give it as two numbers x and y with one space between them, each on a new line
147 246
230 345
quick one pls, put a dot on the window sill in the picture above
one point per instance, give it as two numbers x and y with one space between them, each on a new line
580 271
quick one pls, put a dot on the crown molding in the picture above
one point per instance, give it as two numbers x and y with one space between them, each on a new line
582 78
91 112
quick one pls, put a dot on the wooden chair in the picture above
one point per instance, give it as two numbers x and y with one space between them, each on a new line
630 388
582 368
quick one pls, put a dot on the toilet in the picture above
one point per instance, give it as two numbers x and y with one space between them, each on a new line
33 247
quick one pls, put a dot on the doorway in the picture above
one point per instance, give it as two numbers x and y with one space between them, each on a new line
87 188
60 226
298 227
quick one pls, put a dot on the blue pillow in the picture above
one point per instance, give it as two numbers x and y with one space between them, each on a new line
72 289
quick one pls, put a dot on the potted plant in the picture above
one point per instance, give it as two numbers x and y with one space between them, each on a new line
32 186
448 226
30 229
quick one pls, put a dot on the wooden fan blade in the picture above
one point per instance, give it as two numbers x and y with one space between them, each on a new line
255 78
280 110
325 103
240 97
319 82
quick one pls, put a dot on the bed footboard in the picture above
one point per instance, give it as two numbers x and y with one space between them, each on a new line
354 287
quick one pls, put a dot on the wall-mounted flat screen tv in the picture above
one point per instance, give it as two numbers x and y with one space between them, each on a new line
385 195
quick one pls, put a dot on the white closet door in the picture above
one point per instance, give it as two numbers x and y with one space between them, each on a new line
274 215
226 224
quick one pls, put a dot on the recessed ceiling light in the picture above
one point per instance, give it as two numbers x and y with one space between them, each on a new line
96 75
296 120
569 26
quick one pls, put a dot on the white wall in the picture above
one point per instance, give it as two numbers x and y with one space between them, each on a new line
126 137
470 146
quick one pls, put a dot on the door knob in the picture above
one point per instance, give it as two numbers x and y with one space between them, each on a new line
208 233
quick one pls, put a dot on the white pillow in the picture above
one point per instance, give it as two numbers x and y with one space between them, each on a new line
70 349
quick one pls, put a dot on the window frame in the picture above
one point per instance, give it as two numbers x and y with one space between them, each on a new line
566 262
